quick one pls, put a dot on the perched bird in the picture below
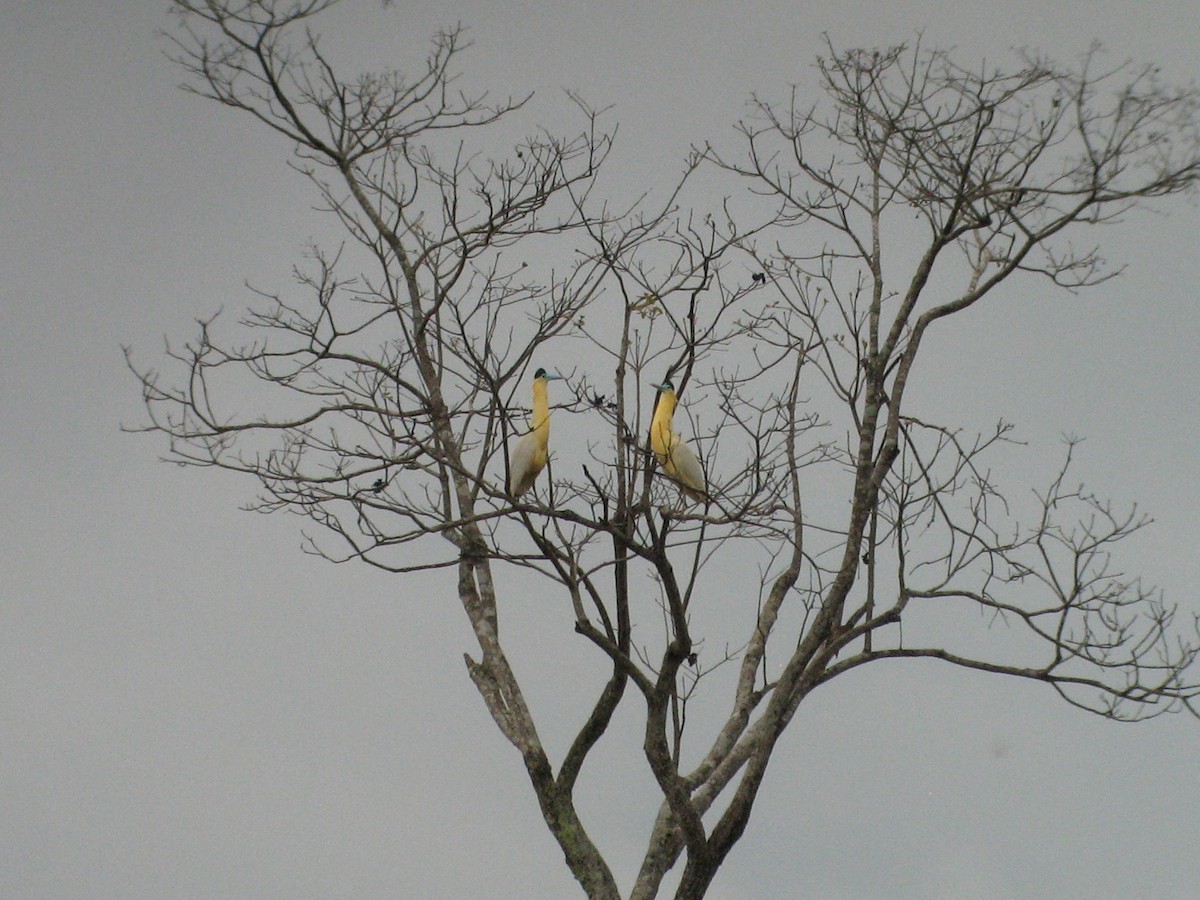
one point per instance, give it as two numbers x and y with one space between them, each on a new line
677 459
530 450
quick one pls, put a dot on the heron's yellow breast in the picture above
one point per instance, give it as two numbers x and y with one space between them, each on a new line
662 437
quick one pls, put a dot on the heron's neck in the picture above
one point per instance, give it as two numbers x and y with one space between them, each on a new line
664 413
541 407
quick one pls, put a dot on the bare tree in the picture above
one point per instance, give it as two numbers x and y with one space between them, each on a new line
395 376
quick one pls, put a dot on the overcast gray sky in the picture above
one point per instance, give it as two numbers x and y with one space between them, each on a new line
189 706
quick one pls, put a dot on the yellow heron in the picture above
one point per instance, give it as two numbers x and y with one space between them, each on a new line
676 457
531 450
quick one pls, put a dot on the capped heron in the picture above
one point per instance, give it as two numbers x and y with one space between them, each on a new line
530 451
676 457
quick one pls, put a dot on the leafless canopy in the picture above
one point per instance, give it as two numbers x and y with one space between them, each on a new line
389 382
